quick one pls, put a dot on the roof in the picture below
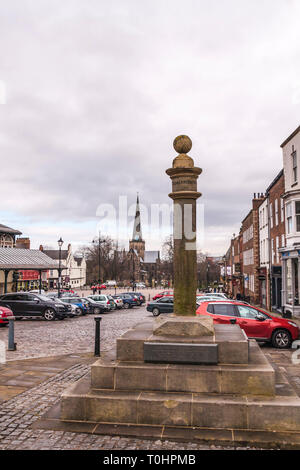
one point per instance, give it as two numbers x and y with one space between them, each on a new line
151 256
54 254
290 137
5 229
21 258
280 174
78 260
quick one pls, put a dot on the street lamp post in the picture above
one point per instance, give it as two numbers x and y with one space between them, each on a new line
60 244
225 274
207 277
99 241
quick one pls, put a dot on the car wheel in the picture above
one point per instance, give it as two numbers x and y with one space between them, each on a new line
155 312
126 305
97 310
281 339
78 311
49 314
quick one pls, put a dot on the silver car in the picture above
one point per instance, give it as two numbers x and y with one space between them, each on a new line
104 300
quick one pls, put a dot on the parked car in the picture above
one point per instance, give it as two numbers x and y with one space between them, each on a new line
5 315
37 291
163 294
129 300
104 300
119 301
256 323
25 304
94 307
220 295
205 298
140 285
162 305
74 310
80 303
140 297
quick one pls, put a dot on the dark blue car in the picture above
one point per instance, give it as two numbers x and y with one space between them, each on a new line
129 300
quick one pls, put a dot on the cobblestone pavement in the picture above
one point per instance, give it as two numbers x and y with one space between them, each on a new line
38 338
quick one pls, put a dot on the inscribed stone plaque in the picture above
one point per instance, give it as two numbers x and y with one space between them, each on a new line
181 353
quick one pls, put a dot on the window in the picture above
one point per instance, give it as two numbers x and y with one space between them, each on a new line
271 214
297 215
276 211
282 210
277 246
294 164
282 241
247 312
248 234
289 217
272 250
224 309
248 257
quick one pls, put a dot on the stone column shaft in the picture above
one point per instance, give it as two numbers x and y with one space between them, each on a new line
184 177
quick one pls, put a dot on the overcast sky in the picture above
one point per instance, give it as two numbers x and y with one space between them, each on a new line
97 90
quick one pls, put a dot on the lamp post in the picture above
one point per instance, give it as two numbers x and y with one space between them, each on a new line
133 269
225 273
98 241
60 244
207 277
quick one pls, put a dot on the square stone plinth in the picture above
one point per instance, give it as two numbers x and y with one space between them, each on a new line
231 340
172 325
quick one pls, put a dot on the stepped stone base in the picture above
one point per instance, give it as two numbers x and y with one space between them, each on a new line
279 413
256 378
238 396
233 346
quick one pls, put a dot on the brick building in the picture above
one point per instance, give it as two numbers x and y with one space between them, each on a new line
235 281
276 238
250 252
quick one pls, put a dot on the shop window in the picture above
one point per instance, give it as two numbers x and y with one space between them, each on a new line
289 282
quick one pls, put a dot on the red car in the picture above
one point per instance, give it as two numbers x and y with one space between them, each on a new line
5 315
255 322
165 293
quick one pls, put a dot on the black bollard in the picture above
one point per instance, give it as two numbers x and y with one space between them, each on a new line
12 346
97 336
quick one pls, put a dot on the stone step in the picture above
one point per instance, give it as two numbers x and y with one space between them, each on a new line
214 411
255 378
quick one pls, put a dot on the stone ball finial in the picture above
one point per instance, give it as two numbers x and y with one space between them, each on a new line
182 144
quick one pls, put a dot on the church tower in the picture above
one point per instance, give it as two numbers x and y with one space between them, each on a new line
137 243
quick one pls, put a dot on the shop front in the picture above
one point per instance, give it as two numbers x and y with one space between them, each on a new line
290 281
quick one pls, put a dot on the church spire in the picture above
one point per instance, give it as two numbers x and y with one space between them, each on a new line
137 228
